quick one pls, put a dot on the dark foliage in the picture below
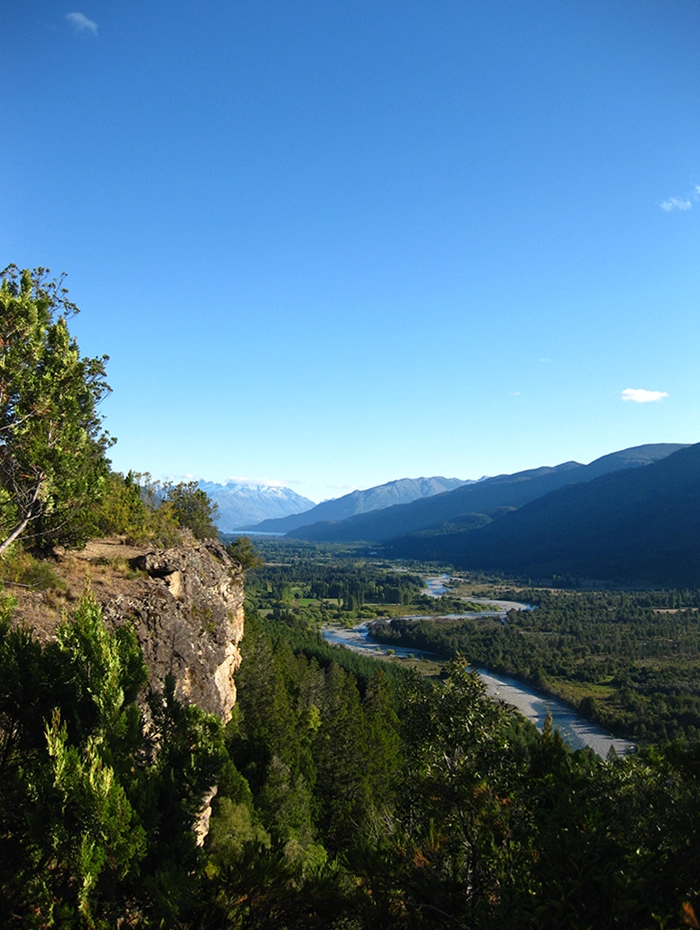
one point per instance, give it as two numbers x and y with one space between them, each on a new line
413 805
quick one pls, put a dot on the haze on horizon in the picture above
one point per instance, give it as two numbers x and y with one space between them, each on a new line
335 245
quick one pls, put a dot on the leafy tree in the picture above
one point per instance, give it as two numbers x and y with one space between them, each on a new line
133 505
145 510
192 508
52 445
242 550
465 821
122 509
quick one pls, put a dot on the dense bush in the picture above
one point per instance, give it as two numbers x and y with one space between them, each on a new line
144 510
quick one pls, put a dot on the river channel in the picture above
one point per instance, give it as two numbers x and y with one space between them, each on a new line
533 704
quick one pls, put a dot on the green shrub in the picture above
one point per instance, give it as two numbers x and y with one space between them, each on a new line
20 567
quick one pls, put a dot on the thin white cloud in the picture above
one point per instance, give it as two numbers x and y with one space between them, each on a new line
514 394
676 203
640 396
255 482
546 360
82 24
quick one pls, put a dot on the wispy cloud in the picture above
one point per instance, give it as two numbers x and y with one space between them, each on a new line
681 203
546 360
676 203
640 396
255 482
81 24
514 394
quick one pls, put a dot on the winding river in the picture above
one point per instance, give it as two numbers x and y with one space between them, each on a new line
533 704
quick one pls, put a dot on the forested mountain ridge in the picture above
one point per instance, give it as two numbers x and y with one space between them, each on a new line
490 494
639 525
401 491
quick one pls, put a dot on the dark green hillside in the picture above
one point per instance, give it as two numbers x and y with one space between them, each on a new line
638 525
636 457
481 497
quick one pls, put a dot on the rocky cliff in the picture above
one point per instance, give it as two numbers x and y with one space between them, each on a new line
186 605
189 621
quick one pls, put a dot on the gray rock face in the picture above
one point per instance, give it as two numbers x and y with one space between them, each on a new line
188 616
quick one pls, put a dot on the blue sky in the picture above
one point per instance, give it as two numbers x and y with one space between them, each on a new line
333 244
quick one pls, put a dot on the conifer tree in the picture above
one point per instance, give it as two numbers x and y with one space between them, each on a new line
52 445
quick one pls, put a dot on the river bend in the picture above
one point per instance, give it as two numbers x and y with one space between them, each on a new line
574 729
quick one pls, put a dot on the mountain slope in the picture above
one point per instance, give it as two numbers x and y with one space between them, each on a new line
402 491
636 525
482 497
241 504
472 498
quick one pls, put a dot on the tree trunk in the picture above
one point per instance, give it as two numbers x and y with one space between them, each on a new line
30 514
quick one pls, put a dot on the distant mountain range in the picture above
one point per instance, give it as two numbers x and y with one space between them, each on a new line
241 503
402 491
632 516
640 525
486 498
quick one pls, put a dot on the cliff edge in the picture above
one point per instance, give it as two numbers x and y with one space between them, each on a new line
186 605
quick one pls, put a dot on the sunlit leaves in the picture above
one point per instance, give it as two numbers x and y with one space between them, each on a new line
52 445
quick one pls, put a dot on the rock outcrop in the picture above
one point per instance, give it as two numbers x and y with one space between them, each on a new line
189 621
186 605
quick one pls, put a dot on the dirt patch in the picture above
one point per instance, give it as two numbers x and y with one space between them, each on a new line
114 548
105 565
